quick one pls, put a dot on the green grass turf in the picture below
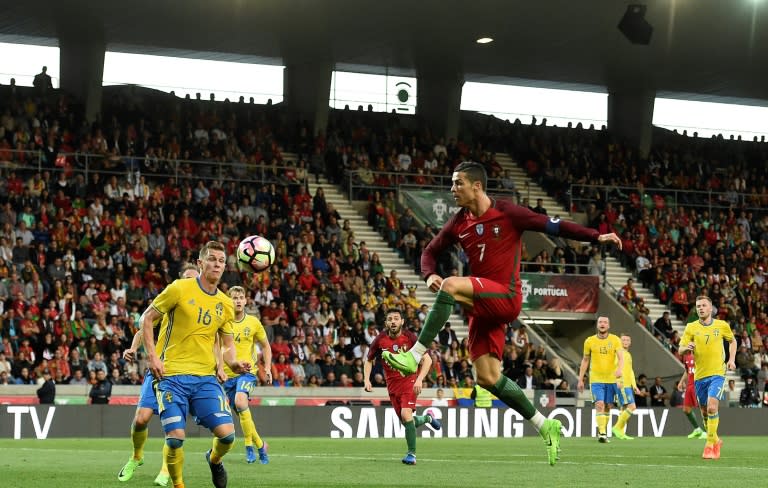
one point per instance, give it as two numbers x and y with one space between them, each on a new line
299 462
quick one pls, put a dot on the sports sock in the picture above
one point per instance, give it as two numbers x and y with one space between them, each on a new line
220 449
436 318
139 437
538 421
420 420
246 422
713 422
174 459
257 438
692 419
410 436
602 423
510 393
624 417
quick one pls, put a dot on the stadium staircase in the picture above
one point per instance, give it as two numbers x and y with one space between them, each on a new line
390 258
616 274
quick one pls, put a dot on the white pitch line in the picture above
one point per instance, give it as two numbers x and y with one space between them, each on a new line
484 460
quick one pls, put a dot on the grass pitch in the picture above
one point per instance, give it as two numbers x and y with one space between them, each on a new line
314 462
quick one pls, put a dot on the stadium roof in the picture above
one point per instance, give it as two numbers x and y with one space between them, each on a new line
709 47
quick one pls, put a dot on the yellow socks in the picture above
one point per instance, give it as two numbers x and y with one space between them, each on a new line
249 429
221 447
602 423
139 437
174 460
713 421
621 424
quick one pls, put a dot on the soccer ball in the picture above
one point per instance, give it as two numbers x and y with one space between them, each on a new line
255 254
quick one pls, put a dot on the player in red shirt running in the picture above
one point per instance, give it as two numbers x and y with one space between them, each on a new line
690 403
490 233
402 390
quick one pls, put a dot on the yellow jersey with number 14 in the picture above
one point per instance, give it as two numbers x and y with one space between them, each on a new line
247 332
602 354
708 351
194 316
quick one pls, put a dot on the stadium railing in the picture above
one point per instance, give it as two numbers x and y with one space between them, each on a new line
152 168
581 195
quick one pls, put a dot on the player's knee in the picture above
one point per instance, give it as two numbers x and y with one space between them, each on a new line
486 380
173 442
449 285
228 439
142 419
241 405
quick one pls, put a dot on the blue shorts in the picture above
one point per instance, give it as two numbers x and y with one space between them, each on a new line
711 386
627 396
604 392
239 384
200 396
147 397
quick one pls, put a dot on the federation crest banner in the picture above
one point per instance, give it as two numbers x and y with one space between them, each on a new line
560 293
431 207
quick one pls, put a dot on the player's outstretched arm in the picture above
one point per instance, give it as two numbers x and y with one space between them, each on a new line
367 368
149 317
732 355
609 238
228 346
266 356
424 367
130 353
582 371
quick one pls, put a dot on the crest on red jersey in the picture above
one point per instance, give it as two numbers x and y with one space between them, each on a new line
479 228
496 230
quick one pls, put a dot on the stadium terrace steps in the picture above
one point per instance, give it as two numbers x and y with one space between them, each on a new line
616 274
390 259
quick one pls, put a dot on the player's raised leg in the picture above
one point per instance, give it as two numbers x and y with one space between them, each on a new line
453 289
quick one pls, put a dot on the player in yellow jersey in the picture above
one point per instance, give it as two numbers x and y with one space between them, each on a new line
626 391
604 356
185 367
147 406
248 330
704 339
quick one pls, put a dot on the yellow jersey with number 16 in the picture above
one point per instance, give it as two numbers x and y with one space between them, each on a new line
194 316
708 351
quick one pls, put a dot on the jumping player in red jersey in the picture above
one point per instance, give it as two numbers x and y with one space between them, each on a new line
490 232
402 390
690 403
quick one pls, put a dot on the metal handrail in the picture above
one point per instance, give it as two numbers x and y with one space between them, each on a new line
198 170
711 200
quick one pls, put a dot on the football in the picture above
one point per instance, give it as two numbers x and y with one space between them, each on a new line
255 254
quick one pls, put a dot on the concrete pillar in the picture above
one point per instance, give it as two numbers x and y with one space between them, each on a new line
439 100
630 116
306 90
82 67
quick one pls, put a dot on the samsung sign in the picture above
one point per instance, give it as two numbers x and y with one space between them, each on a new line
360 422
371 422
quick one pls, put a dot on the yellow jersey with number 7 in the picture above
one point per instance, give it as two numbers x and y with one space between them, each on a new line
194 316
708 350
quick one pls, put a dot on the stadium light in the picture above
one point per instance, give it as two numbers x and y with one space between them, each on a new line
484 40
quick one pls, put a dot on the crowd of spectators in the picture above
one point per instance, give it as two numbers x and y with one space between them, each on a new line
691 217
81 256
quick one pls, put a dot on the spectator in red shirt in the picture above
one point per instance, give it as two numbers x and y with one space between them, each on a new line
279 346
307 280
